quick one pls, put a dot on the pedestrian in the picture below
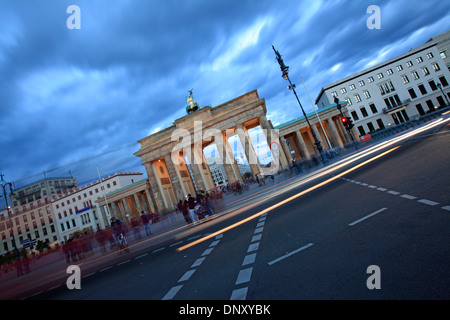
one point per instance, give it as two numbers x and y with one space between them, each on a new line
185 212
191 207
145 220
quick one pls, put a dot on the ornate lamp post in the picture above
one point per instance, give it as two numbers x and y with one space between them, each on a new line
285 75
5 185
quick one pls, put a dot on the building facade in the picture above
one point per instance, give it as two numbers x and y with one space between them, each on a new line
402 88
78 209
51 210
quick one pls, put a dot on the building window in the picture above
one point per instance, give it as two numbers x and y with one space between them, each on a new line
361 131
358 98
334 94
343 90
352 87
412 93
380 75
380 124
419 59
367 94
370 79
364 112
349 101
354 115
432 85
436 67
361 83
443 54
371 127
399 67
373 108
415 75
389 72
429 55
405 79
443 81
422 89
409 64
425 71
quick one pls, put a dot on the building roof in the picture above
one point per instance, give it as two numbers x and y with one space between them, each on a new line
310 114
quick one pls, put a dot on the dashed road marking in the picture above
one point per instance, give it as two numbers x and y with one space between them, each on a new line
366 217
402 195
290 254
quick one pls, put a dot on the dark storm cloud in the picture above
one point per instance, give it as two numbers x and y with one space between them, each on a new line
78 99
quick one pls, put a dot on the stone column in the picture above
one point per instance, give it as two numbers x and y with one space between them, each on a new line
301 145
334 133
248 149
138 203
285 148
229 163
176 185
154 186
272 135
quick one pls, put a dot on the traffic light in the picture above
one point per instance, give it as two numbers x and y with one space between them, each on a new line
345 122
349 123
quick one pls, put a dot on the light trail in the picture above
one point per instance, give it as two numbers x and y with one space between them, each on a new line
322 172
256 215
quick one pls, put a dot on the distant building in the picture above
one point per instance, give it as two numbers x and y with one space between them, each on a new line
52 209
77 210
397 90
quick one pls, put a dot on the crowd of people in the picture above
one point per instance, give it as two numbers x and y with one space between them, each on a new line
198 208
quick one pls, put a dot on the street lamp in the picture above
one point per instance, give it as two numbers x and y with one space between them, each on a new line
285 75
440 88
5 185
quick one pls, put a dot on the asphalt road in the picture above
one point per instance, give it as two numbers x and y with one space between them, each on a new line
392 213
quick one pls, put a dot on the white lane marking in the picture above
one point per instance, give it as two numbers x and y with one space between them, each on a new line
407 196
187 275
214 243
207 251
395 193
446 208
176 243
366 217
123 262
249 259
198 262
290 254
239 294
244 276
107 268
256 237
172 292
142 255
258 230
253 247
260 224
381 189
428 202
157 250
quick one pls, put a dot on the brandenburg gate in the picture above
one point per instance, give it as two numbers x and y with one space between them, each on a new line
174 158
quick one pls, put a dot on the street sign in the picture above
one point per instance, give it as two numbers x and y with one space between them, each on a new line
28 243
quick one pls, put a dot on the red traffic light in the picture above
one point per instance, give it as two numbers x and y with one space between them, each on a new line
344 120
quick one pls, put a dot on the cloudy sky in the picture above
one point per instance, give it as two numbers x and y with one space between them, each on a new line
72 100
